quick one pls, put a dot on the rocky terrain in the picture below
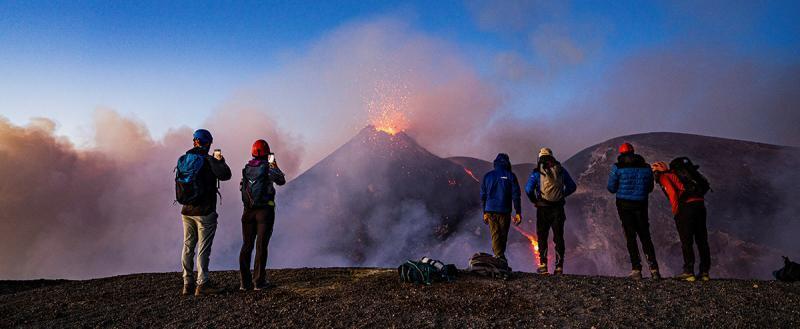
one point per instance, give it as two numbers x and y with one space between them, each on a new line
369 298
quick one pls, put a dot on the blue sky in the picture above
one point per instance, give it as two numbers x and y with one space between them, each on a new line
172 63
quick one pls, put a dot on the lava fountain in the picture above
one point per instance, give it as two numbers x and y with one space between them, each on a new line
387 107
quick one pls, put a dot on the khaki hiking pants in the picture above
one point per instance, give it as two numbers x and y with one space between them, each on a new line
498 226
198 231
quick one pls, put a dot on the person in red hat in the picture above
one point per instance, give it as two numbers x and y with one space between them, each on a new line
631 179
258 218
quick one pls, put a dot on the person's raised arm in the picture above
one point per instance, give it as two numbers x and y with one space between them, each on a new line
219 168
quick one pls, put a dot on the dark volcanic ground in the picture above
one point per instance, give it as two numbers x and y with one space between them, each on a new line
342 297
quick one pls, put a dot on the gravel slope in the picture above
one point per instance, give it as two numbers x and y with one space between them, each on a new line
342 297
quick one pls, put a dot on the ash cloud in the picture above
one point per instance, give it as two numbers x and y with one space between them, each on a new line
79 213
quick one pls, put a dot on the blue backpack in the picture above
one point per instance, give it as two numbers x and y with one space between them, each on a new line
256 187
188 189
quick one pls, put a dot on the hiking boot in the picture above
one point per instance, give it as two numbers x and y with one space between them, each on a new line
655 274
635 275
704 277
686 277
542 269
187 289
558 271
264 286
207 288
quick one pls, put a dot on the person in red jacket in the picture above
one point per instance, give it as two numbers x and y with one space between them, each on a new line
690 219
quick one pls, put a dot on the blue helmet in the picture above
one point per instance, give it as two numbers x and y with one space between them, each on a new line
203 136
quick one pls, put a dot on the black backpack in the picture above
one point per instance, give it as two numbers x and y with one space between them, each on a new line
426 271
256 186
488 265
694 183
188 188
790 271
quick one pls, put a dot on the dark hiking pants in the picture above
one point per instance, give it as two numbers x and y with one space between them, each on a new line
256 232
546 218
498 226
635 222
691 223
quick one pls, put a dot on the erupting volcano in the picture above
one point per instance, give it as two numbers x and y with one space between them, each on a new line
378 199
387 108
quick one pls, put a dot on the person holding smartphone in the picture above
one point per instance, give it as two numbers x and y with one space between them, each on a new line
197 183
258 217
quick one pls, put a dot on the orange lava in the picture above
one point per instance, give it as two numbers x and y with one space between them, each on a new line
534 244
387 108
469 172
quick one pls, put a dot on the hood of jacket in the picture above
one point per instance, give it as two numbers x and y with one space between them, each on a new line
502 162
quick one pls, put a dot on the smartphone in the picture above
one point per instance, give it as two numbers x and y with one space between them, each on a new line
217 153
271 158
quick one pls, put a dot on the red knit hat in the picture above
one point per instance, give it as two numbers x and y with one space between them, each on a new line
625 148
260 148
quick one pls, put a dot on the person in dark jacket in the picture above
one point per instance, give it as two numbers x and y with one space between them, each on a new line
258 217
690 219
499 191
631 179
200 219
547 187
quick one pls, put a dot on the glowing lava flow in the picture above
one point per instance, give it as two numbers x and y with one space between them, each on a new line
387 106
469 172
534 244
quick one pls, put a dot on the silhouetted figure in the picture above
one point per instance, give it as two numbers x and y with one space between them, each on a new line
547 187
499 190
685 188
258 218
196 189
632 180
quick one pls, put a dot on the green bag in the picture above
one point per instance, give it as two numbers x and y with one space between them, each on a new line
426 271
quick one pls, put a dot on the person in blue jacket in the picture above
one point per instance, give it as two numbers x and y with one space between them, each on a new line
499 191
547 188
631 179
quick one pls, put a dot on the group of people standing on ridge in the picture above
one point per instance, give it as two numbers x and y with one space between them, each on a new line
197 184
631 178
197 177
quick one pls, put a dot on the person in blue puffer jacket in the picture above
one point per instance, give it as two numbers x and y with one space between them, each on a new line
631 179
499 191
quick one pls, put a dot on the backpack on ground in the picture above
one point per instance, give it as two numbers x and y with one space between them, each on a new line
790 271
188 189
488 265
426 271
256 186
694 183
